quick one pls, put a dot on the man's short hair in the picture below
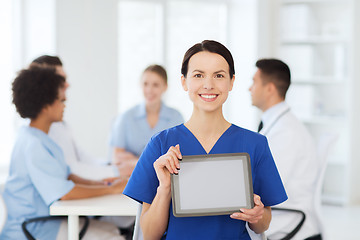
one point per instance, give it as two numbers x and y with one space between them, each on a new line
48 60
277 72
35 88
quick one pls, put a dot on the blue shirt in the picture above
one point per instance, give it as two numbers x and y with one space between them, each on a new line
143 183
132 132
38 176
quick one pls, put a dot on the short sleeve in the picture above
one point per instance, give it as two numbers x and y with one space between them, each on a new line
143 183
118 132
48 174
267 181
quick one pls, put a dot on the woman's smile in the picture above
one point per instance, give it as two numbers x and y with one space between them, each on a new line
209 97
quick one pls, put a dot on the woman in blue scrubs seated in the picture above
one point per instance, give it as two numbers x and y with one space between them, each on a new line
208 76
134 128
38 173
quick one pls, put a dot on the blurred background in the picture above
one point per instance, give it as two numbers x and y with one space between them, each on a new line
105 45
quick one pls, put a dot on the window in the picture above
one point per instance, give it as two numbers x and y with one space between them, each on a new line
190 22
27 30
6 74
160 31
140 44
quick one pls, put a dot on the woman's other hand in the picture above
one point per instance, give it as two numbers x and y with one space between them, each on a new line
251 215
168 164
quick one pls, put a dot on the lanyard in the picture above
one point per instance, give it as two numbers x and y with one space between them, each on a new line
275 121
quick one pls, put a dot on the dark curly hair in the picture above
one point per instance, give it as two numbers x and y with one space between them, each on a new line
35 88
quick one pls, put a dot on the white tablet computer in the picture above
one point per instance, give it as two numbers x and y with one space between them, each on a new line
213 184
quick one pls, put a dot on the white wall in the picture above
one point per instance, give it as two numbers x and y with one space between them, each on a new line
267 28
38 29
87 43
242 41
355 126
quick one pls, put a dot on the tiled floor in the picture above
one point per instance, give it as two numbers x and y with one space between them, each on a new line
341 223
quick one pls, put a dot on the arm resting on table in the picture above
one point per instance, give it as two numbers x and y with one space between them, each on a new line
93 189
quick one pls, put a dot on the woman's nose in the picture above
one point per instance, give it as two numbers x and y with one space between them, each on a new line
208 83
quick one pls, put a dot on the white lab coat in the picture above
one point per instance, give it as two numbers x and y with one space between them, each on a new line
294 152
80 163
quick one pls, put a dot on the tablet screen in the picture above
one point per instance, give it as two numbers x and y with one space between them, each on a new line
212 185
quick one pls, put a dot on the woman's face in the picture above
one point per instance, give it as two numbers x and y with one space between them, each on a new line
55 111
153 86
208 81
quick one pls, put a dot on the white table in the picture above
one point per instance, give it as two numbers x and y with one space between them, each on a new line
108 205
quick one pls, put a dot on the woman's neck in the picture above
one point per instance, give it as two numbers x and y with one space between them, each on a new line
153 108
152 114
207 127
41 124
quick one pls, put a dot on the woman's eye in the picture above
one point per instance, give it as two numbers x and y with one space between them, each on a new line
219 76
197 75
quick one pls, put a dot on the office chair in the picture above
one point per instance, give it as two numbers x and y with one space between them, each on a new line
294 227
137 230
51 218
324 144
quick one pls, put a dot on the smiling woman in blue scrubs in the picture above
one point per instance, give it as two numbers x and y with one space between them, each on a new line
38 173
208 76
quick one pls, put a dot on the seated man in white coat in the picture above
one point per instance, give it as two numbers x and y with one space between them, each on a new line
291 145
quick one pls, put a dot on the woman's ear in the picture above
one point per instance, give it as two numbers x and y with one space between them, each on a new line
232 82
183 83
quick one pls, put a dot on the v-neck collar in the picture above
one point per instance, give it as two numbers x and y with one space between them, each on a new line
141 114
198 142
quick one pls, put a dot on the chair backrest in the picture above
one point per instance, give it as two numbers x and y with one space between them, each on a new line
3 213
325 143
137 235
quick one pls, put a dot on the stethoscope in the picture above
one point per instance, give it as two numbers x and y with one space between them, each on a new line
275 121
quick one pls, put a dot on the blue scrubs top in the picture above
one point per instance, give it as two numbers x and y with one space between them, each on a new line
38 177
143 183
132 132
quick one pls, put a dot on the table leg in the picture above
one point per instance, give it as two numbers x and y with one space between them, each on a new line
73 227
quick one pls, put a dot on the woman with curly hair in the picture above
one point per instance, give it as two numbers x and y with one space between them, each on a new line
38 173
